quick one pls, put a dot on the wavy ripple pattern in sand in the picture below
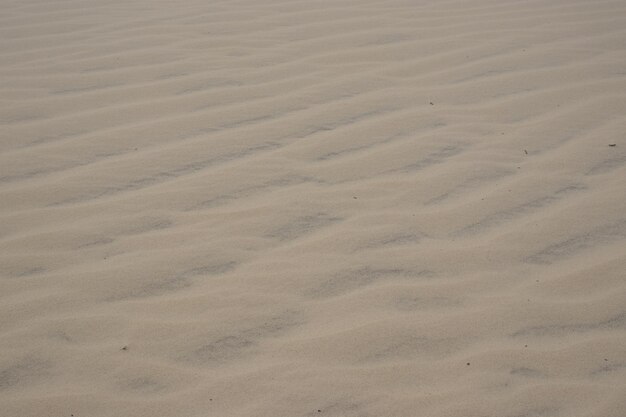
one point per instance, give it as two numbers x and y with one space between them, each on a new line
290 208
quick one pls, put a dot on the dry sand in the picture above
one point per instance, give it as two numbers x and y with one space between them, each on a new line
299 208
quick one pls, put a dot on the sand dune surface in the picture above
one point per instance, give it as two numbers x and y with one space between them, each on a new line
346 208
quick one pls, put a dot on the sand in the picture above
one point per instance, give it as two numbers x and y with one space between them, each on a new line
291 208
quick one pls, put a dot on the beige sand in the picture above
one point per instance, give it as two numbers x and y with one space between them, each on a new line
298 208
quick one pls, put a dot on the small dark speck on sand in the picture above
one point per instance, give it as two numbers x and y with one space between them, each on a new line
468 364
319 411
612 144
606 360
525 151
432 104
354 197
124 347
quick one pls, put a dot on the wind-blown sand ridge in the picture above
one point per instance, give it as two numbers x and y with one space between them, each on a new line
299 208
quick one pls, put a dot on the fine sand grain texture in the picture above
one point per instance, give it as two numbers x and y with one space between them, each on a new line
290 208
